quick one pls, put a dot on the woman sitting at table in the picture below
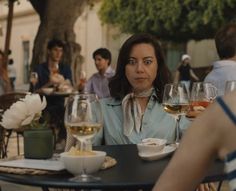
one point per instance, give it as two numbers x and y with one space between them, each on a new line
134 111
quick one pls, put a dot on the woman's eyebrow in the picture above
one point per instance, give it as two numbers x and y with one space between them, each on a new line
148 57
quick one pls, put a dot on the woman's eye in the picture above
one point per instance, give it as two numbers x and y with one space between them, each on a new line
147 62
132 62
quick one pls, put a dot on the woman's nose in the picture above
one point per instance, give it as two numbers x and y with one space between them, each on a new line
139 67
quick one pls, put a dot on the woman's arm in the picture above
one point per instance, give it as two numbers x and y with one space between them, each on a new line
200 145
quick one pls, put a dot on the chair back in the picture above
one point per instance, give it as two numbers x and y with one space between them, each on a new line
6 100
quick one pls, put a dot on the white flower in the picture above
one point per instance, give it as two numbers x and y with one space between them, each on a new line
23 111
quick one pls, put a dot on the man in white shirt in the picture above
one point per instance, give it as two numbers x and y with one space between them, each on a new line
98 82
225 69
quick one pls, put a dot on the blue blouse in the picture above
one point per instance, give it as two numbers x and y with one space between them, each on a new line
156 123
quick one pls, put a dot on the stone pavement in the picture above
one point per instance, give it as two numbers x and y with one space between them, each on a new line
5 186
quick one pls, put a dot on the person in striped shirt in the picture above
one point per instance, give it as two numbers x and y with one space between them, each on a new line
209 137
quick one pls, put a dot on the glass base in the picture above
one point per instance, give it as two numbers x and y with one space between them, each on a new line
85 178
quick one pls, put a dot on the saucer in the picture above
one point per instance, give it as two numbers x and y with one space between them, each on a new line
158 155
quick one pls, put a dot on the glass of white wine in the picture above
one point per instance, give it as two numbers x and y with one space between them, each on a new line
176 103
83 119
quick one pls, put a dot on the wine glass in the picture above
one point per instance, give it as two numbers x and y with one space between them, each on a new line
83 119
34 79
230 86
176 103
202 94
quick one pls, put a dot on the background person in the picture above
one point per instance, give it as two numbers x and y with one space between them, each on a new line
4 81
54 73
185 72
208 137
224 69
11 73
98 82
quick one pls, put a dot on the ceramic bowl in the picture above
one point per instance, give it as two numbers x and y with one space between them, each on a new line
92 163
151 145
47 90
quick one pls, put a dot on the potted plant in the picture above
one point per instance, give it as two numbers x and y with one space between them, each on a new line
25 114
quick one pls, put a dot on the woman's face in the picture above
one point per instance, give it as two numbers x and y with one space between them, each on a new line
142 66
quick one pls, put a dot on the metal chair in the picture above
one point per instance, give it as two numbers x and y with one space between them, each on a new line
6 100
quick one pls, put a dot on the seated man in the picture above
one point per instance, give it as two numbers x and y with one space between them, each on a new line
55 74
98 82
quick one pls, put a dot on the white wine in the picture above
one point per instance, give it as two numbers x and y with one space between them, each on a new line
83 129
176 109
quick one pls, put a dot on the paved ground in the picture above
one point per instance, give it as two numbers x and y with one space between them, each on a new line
14 187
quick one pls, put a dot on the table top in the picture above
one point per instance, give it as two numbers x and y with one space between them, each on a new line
130 172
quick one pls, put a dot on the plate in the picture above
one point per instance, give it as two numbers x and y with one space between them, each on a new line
155 156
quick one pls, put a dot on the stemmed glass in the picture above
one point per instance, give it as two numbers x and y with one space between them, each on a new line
230 86
83 119
33 79
176 103
202 94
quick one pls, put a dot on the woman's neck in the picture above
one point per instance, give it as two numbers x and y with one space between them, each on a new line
143 101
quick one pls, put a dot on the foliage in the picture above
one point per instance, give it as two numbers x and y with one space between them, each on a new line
176 20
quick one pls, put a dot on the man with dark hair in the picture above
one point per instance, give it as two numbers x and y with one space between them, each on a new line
54 73
98 82
224 69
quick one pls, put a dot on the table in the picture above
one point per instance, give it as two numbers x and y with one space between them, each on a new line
131 172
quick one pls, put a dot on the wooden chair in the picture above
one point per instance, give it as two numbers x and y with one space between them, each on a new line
6 100
3 152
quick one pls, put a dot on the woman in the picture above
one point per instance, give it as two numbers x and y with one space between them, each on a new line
134 111
185 72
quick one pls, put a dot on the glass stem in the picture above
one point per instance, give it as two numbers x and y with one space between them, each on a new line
82 149
177 129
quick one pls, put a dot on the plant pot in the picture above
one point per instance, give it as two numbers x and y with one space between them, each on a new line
38 143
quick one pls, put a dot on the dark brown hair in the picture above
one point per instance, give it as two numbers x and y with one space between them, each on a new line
104 53
225 40
119 84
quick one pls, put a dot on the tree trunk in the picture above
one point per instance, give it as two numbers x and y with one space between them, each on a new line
57 19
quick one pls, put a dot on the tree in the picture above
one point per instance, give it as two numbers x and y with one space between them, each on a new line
57 19
177 20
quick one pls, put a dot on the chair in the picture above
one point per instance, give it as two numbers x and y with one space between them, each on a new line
3 152
6 100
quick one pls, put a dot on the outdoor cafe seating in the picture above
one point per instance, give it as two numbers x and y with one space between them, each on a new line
6 100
